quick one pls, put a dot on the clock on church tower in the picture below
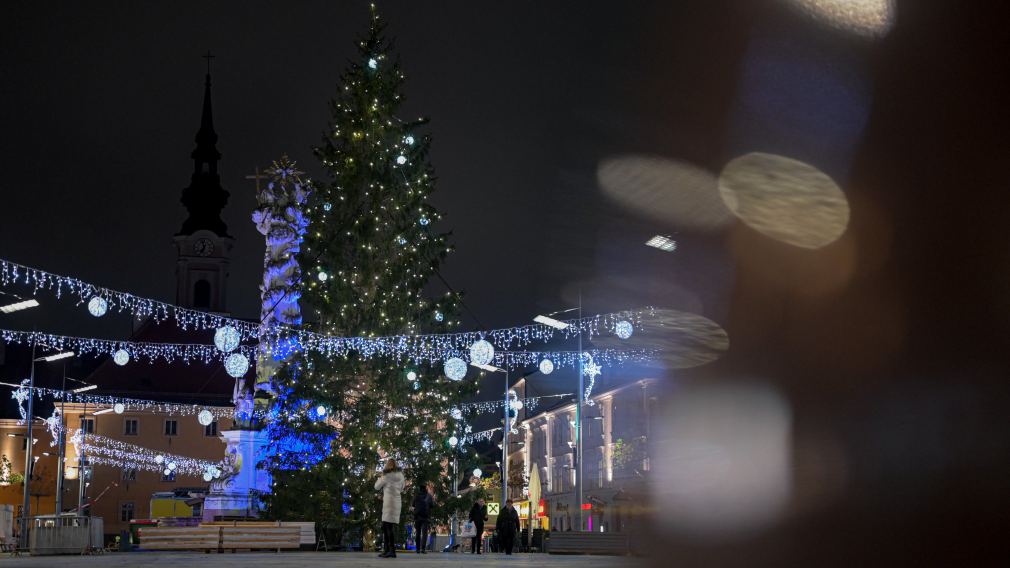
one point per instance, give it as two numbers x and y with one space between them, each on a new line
203 245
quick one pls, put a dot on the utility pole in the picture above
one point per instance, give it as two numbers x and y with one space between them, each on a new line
26 506
578 424
505 442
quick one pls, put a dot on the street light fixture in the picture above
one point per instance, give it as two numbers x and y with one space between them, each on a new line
84 389
56 356
18 306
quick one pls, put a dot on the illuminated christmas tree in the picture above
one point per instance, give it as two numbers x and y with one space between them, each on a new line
371 249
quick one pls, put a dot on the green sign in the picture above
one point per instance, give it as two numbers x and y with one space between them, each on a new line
493 508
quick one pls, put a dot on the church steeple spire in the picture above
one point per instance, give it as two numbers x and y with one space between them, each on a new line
205 198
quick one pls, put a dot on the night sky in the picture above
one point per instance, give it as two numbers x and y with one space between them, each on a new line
898 327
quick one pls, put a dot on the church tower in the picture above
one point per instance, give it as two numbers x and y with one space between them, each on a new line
203 245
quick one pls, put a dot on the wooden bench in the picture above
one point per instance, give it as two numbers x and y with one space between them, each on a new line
180 538
253 537
588 543
307 534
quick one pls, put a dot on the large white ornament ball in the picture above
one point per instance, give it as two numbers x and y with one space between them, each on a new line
481 353
159 459
623 329
167 472
455 369
477 472
320 410
409 139
205 417
207 476
372 63
121 357
456 414
453 441
227 338
172 466
97 306
516 404
401 159
237 365
119 408
411 376
546 366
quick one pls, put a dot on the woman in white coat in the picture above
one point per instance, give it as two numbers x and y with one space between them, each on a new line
391 484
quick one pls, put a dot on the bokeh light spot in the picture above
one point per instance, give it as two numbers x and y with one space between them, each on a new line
785 199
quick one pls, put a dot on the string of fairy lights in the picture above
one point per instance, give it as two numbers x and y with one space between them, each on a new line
449 348
108 451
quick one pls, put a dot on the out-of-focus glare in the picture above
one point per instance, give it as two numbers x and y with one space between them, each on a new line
662 243
669 191
723 465
870 18
681 340
785 199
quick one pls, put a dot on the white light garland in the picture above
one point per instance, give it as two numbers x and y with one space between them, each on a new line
107 451
431 348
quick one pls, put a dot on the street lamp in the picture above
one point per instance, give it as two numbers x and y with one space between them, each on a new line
17 306
29 462
557 324
505 427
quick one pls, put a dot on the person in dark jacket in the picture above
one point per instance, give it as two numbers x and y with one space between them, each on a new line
478 514
507 527
423 504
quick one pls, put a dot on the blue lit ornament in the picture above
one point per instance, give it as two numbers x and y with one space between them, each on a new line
481 353
236 365
401 159
409 139
327 206
372 63
439 316
455 369
424 221
623 329
97 306
456 414
121 357
401 241
227 338
546 366
417 386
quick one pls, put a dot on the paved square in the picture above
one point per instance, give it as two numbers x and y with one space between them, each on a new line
313 560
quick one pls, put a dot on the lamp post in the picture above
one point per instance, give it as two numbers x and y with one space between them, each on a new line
557 324
29 462
505 427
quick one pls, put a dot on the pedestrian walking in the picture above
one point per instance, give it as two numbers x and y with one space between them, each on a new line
478 514
391 484
424 502
507 526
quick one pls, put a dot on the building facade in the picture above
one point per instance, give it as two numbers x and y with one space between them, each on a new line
617 429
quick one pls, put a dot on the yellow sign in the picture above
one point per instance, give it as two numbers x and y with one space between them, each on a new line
524 509
493 508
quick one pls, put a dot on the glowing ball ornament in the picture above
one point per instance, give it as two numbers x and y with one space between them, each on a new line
121 357
207 476
477 472
167 472
205 417
159 459
323 277
237 365
411 376
119 408
453 441
171 466
439 316
516 404
424 221
97 306
623 329
455 369
481 353
327 206
546 366
320 410
409 139
456 414
401 159
226 339
372 63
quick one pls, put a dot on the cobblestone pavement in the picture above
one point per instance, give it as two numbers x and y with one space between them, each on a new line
312 560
